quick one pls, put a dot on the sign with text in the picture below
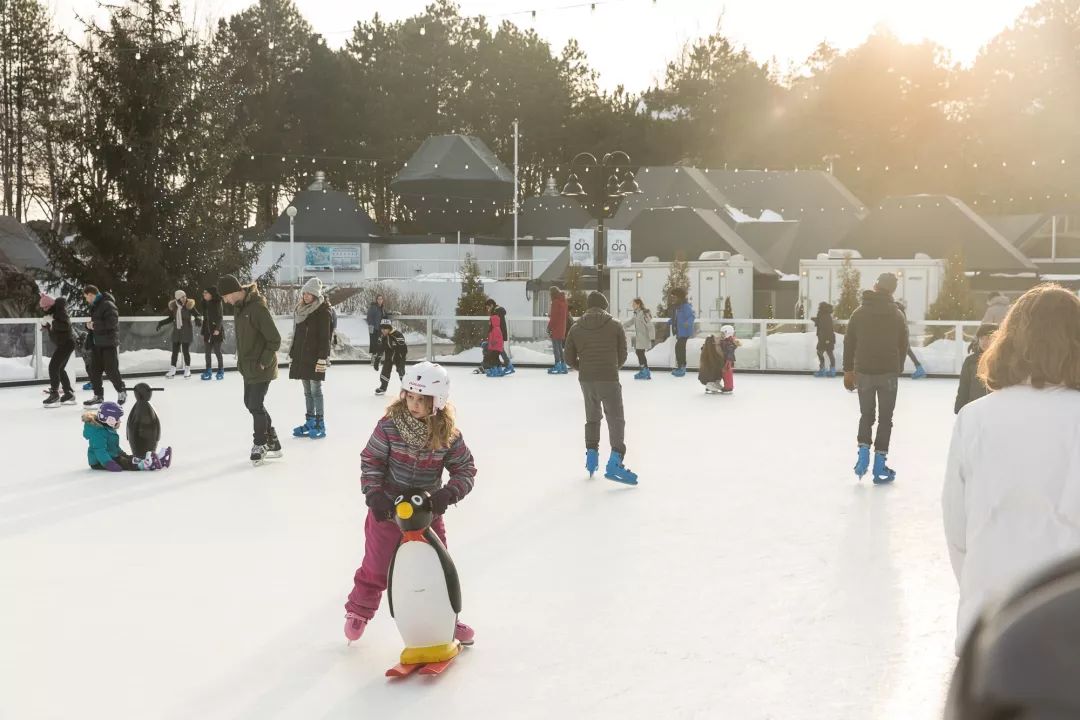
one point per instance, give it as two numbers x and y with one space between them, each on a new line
582 250
338 257
618 248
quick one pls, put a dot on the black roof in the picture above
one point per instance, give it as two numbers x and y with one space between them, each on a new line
1017 229
326 216
544 217
665 232
935 225
19 246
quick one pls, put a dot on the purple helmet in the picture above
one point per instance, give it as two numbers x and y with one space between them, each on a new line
109 413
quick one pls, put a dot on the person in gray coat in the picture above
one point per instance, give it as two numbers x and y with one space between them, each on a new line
644 335
596 348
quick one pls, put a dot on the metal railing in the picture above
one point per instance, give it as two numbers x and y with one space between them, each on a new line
401 269
766 345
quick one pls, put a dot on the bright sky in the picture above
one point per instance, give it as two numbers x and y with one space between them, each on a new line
630 41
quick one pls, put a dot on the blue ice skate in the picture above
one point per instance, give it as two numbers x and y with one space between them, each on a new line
615 470
883 474
862 464
592 461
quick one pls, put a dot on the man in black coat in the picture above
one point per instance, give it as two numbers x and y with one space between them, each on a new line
596 348
105 325
971 386
875 346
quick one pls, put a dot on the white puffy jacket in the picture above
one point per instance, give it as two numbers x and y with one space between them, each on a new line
1012 492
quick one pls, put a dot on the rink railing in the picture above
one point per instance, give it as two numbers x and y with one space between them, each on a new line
768 345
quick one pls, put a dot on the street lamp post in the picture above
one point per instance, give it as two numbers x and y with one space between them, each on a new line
291 212
601 196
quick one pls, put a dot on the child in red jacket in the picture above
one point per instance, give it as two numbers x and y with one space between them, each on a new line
495 346
728 343
558 320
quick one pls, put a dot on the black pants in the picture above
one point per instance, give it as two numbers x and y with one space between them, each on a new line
911 355
254 400
824 348
604 397
504 358
680 352
642 360
398 362
375 346
213 345
106 362
124 461
877 396
57 374
176 348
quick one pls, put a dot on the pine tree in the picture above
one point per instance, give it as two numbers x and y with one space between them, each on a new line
728 312
954 301
470 333
575 293
850 279
678 277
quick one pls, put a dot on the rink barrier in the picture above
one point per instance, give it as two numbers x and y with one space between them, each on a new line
791 340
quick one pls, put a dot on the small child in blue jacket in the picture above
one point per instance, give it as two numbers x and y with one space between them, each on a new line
104 453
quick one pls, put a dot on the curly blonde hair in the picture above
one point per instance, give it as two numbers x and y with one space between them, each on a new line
442 426
1038 344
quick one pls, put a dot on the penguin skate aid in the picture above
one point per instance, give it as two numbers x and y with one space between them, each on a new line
410 447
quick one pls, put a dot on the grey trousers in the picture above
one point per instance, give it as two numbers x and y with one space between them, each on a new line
877 400
604 397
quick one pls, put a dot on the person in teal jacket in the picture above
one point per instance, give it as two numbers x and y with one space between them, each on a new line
104 453
682 327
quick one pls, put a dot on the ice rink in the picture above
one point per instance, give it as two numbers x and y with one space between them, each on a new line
749 576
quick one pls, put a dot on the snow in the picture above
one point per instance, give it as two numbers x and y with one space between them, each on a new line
749 576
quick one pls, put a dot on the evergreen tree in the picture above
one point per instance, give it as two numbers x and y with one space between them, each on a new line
728 312
575 293
470 333
850 279
954 301
678 277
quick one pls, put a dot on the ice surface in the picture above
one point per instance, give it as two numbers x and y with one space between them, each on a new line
749 576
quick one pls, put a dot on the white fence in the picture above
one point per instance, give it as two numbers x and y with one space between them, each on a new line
404 269
766 345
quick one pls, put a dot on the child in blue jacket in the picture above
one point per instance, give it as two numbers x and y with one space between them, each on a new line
104 453
682 327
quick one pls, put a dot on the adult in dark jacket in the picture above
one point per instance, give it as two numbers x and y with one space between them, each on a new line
558 323
376 313
972 387
213 331
182 316
596 348
257 343
309 354
58 323
493 308
875 345
395 352
105 325
826 340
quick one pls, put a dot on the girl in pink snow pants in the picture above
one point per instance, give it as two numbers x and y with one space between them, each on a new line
411 446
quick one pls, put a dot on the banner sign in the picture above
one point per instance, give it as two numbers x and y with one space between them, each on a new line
338 257
581 246
618 248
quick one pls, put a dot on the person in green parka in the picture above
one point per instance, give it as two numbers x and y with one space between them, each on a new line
257 343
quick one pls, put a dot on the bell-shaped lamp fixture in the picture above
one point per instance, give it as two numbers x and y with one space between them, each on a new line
629 185
573 187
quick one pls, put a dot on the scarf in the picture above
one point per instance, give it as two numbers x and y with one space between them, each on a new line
414 432
180 314
304 310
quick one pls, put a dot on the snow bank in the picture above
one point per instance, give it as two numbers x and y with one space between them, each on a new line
18 368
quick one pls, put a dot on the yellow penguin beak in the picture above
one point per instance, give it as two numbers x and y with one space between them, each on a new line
404 510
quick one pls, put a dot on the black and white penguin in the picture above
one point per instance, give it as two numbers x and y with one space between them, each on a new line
422 586
143 426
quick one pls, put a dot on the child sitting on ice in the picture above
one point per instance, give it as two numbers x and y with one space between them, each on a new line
728 343
411 446
104 453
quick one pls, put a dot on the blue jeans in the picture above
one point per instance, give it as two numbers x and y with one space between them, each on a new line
313 397
557 346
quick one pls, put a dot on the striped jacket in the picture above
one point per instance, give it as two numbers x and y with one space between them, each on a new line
389 464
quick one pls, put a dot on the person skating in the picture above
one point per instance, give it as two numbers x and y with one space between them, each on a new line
105 325
493 350
874 348
257 343
57 322
395 351
493 308
644 335
728 344
310 353
182 316
376 313
596 348
711 366
682 327
213 332
103 451
826 340
408 451
997 307
971 386
919 372
558 321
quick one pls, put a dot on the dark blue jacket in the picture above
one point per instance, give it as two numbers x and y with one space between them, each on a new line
682 320
375 316
106 321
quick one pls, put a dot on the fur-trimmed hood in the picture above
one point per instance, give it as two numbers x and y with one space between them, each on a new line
188 303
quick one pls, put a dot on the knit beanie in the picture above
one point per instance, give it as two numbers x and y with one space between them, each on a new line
46 302
313 286
597 300
179 295
228 284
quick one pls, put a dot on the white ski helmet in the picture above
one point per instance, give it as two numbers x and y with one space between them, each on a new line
428 378
727 331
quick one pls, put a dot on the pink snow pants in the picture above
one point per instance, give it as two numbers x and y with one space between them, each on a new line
380 543
729 376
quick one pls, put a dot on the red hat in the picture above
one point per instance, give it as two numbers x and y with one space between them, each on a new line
46 302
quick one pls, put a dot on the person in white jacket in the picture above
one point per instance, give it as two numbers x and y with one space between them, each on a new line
1011 500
